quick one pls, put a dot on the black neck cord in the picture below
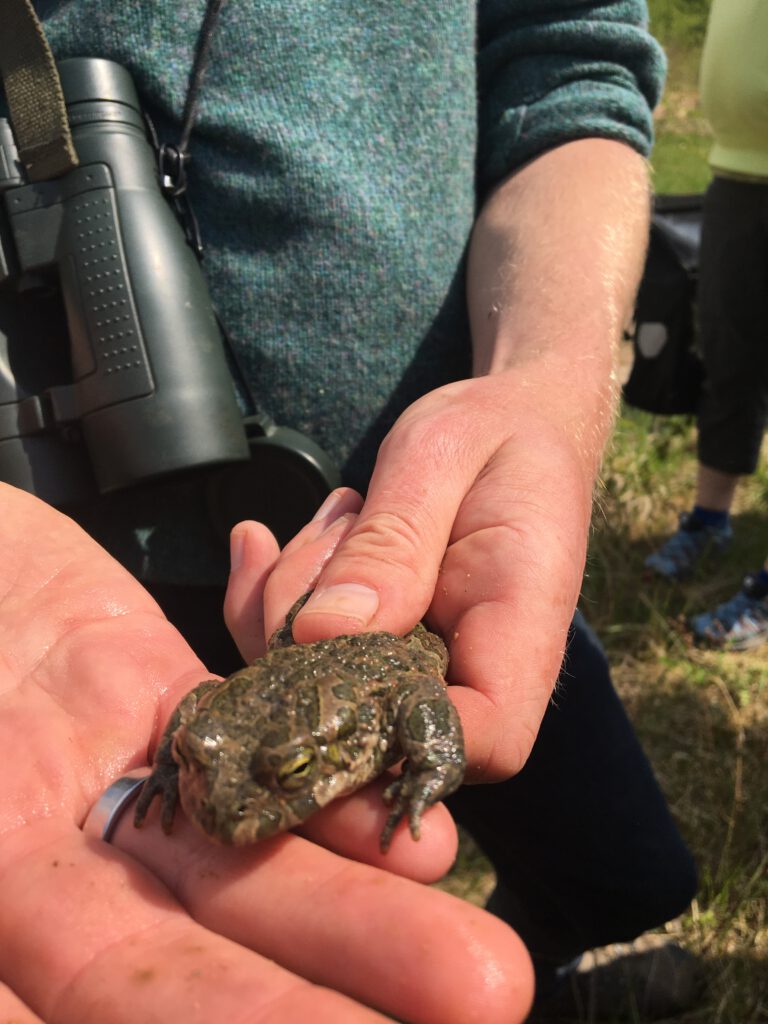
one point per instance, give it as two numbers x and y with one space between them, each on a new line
173 160
200 66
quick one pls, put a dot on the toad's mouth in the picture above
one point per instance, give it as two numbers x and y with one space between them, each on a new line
240 815
238 818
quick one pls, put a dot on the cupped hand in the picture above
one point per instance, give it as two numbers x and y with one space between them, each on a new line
476 518
153 928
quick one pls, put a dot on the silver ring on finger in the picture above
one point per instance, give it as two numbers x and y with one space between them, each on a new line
103 818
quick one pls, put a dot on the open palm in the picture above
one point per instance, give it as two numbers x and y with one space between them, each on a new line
156 929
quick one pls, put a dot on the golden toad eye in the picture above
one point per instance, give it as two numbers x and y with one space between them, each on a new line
292 773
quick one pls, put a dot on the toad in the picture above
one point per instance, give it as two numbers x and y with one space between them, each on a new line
259 752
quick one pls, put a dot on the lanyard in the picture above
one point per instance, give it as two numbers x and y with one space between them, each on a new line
173 160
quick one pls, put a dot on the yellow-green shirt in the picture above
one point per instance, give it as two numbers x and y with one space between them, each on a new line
734 86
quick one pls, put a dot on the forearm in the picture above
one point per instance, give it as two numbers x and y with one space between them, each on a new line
554 264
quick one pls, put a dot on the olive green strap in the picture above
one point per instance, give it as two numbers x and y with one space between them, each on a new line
33 92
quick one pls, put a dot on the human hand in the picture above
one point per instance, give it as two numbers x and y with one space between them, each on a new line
153 928
476 518
478 510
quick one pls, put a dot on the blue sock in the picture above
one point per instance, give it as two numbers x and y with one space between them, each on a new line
710 516
762 578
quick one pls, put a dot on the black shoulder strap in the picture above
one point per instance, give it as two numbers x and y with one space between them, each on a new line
33 92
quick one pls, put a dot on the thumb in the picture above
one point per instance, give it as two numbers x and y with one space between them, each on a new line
384 573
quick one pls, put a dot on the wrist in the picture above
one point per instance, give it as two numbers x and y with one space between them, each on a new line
572 397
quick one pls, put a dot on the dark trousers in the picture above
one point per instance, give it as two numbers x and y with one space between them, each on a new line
733 320
583 844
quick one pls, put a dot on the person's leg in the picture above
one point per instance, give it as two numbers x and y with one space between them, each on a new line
715 489
734 340
733 314
583 843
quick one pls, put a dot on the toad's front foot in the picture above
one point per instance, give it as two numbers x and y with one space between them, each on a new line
164 781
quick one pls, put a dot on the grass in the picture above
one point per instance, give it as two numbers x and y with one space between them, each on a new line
680 162
679 159
702 715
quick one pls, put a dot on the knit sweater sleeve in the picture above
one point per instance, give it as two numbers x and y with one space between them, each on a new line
551 71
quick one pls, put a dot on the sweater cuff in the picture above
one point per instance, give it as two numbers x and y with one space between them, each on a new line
564 76
525 132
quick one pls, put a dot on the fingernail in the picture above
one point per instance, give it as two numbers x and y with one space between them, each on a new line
325 510
342 524
351 600
236 549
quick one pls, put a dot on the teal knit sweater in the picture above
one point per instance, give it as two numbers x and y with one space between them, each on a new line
339 156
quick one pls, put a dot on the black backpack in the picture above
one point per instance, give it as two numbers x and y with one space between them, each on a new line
667 372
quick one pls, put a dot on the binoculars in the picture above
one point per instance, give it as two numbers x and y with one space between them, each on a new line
112 365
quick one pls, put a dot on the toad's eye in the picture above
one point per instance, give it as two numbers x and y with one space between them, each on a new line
292 773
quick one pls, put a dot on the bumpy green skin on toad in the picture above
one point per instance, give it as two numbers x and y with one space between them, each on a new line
260 752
